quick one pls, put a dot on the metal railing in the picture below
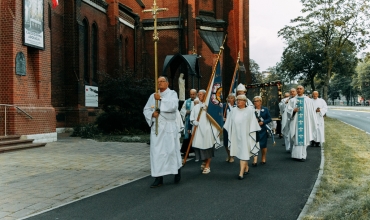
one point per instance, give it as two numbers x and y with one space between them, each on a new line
19 110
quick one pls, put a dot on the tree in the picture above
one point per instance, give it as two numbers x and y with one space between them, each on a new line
123 98
255 72
334 23
302 60
362 79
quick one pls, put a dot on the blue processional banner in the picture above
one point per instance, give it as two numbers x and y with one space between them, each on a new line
214 99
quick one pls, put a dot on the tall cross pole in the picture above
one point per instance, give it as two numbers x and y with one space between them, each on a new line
154 11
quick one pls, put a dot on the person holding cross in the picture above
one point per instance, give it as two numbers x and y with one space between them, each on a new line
165 157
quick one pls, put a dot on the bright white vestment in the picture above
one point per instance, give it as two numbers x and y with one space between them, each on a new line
206 134
242 126
303 125
320 103
165 157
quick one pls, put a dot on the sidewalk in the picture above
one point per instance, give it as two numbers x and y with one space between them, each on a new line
64 171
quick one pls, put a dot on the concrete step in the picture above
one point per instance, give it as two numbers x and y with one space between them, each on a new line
21 147
9 137
15 142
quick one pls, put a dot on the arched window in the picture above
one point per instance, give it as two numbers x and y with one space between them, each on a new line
86 51
94 52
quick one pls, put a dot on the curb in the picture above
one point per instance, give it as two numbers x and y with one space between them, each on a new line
315 187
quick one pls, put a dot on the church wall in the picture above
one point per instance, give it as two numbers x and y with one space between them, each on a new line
31 92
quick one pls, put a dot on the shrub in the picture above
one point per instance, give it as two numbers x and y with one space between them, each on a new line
123 99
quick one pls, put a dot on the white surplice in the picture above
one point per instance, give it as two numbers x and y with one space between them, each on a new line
320 103
206 134
299 151
241 126
165 157
285 121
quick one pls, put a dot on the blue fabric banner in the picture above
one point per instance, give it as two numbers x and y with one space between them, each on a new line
214 99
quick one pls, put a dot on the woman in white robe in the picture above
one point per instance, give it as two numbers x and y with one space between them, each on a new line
242 126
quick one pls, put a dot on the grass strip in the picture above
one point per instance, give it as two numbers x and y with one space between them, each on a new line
344 191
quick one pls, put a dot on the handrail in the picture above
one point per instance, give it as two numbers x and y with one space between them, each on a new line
21 110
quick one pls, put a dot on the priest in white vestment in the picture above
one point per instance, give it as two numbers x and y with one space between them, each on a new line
185 114
206 134
242 126
321 108
285 120
303 123
165 155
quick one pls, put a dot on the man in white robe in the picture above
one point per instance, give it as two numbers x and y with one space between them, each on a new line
321 108
285 120
165 155
206 134
185 114
303 123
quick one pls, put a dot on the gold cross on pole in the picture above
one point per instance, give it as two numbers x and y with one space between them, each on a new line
155 11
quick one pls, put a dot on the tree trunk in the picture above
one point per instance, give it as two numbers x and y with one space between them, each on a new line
327 80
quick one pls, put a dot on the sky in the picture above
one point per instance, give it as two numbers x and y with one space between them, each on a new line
266 18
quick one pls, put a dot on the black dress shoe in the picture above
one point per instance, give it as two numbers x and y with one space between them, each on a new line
263 163
240 177
178 176
245 173
157 182
302 160
254 164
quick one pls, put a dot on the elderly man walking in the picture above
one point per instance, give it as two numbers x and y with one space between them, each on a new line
165 155
185 114
285 120
303 123
321 108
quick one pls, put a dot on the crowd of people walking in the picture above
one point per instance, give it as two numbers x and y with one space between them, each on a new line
245 132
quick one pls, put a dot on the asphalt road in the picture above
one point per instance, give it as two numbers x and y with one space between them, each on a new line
277 190
356 118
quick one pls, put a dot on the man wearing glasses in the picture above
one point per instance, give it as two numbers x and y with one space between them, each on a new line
165 155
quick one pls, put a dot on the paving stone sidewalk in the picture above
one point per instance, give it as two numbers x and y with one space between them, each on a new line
64 171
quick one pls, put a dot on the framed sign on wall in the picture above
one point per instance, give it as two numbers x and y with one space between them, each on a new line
33 23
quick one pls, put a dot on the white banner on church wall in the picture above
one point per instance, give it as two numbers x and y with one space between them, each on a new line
91 96
33 23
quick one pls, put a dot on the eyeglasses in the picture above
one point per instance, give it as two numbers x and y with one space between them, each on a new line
256 100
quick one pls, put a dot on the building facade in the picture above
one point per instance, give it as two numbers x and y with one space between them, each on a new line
86 39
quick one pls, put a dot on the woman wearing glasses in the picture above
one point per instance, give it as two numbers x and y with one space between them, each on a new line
263 117
241 126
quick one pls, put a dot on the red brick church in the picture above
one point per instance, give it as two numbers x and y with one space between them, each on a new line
50 58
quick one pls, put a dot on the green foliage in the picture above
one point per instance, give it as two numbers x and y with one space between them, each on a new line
123 99
255 71
85 131
362 81
332 25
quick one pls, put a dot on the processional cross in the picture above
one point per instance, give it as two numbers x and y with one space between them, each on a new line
154 11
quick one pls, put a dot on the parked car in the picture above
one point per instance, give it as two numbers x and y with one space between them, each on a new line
358 103
367 102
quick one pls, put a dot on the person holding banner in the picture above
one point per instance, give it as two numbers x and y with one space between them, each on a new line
263 117
165 155
206 135
242 127
227 109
